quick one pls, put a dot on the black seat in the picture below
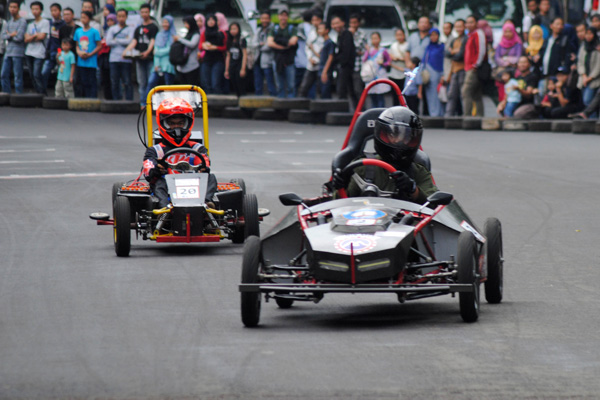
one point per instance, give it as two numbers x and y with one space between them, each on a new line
363 131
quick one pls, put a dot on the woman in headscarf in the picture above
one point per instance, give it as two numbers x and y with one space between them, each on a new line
106 11
535 44
507 55
222 22
189 72
162 46
214 42
588 66
200 21
433 60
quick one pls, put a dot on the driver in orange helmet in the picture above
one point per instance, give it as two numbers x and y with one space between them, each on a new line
175 118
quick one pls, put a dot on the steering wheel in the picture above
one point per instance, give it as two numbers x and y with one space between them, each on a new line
184 166
349 169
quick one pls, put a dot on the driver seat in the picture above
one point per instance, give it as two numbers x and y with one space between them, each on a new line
363 131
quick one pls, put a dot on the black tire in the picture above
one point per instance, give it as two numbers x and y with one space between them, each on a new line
119 107
284 303
250 301
240 182
298 103
329 105
251 219
115 189
269 114
495 263
339 118
467 264
122 226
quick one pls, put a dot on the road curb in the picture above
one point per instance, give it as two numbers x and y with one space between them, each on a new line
472 123
329 105
338 118
453 123
26 100
269 114
432 122
236 113
491 124
4 99
514 125
53 103
79 104
306 117
562 126
584 126
543 125
119 107
254 102
222 100
292 104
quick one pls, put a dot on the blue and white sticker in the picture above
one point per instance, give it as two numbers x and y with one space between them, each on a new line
469 228
361 222
355 243
364 214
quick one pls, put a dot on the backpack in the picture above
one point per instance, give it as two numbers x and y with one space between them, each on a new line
179 53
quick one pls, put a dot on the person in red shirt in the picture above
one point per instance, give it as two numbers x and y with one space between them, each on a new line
475 55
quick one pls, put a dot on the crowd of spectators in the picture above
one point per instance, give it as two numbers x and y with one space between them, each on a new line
549 69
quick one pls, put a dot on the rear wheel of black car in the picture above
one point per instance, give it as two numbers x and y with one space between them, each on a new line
122 226
251 219
240 182
467 274
250 301
495 262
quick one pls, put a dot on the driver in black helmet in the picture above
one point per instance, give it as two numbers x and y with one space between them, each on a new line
398 133
175 118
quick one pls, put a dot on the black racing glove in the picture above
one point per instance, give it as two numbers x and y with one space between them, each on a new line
404 184
338 180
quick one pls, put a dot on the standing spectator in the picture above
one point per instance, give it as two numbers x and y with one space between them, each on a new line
143 42
189 73
236 60
558 50
222 22
67 31
162 46
566 100
314 44
413 88
300 61
54 42
595 21
107 10
417 43
35 38
345 59
283 39
13 32
546 16
378 59
455 51
528 79
118 37
507 55
513 95
88 45
263 57
66 71
88 6
532 10
2 41
201 23
214 42
580 32
397 54
475 55
360 46
326 61
434 63
110 20
588 66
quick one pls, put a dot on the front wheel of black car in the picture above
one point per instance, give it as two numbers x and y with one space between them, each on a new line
495 262
251 219
466 261
250 301
122 226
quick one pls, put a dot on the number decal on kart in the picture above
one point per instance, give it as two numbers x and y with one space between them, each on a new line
187 192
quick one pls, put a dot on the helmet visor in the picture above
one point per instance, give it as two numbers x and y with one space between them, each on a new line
400 136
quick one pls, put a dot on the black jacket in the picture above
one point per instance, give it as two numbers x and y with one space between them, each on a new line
346 51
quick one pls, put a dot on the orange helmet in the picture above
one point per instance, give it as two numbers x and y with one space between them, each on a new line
175 107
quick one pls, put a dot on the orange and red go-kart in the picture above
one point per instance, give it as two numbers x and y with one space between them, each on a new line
375 244
233 215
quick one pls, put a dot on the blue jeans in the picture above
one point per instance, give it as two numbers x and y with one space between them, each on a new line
88 82
16 65
49 64
211 77
144 70
378 100
120 72
510 108
155 79
260 74
286 81
35 73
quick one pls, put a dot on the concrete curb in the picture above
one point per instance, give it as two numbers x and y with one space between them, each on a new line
306 117
53 103
221 100
78 104
514 125
338 118
26 100
543 125
472 123
329 105
292 104
453 123
433 122
563 125
584 126
253 102
236 113
491 124
270 114
119 107
4 99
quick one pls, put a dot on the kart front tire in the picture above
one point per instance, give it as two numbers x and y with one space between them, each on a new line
251 219
241 183
122 226
495 263
467 263
250 301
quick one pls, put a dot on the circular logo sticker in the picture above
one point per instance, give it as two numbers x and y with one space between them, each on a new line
361 222
364 214
356 243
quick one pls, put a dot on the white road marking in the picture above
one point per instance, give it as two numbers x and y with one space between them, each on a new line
287 141
299 152
23 137
259 133
32 162
25 151
134 175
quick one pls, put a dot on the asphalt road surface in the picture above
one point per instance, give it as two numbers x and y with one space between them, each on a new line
78 322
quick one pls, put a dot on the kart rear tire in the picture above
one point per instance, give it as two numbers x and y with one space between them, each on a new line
251 219
115 189
250 301
122 226
240 182
467 263
495 263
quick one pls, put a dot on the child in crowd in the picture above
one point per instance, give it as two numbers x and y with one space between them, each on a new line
413 88
66 70
326 60
550 95
513 95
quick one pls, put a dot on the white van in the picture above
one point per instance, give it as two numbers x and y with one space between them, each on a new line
383 16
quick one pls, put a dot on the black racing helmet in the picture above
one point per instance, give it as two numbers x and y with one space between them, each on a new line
398 134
